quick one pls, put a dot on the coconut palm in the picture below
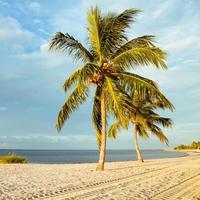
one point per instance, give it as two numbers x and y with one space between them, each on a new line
109 55
144 120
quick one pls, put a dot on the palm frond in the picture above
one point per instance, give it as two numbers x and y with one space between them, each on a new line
158 133
155 101
143 41
72 79
67 43
142 132
113 34
140 56
94 26
117 126
83 74
132 82
165 122
96 114
118 101
112 133
77 97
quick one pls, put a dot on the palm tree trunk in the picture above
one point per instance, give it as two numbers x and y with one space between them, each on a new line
139 155
102 153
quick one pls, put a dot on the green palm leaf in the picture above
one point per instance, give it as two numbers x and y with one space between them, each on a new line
117 126
165 122
77 97
83 74
140 56
158 133
132 82
94 26
142 132
71 80
118 101
67 43
114 26
96 114
143 41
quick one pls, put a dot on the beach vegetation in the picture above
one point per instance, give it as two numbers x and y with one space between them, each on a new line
194 145
12 158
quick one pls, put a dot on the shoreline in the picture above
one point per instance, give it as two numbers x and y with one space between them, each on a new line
154 179
114 157
186 151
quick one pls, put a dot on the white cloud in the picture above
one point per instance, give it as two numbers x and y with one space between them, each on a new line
3 108
53 138
43 59
37 21
179 77
14 44
163 9
34 6
10 28
14 39
4 3
4 145
190 42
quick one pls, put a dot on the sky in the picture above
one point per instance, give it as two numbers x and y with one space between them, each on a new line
31 77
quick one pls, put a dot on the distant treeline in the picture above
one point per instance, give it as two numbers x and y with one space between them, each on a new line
194 145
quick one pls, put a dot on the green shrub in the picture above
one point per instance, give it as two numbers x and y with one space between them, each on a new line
12 158
194 145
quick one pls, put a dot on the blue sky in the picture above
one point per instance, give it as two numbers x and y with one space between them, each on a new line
31 77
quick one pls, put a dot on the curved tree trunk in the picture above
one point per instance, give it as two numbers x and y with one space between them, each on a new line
102 153
139 155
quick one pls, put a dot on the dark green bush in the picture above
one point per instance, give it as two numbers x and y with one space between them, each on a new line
12 158
194 145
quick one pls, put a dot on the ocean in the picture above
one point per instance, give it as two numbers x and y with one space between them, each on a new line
87 156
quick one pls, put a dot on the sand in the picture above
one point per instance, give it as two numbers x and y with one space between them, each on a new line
171 178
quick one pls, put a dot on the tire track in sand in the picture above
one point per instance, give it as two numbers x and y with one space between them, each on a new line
187 190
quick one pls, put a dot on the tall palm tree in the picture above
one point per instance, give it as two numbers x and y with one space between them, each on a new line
144 120
110 54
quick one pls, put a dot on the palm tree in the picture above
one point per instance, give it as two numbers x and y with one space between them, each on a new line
145 120
110 54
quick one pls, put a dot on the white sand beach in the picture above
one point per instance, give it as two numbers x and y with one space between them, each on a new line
173 178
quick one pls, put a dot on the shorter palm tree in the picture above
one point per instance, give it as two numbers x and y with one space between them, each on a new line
145 120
